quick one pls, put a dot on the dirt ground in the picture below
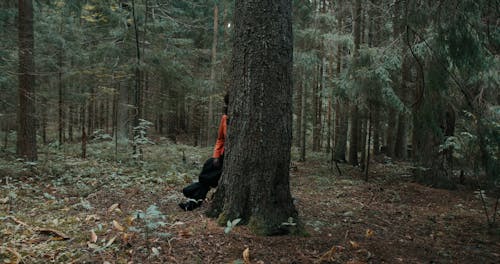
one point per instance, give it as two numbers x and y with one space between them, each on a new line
389 219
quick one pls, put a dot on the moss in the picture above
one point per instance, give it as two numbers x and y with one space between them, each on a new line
262 227
222 219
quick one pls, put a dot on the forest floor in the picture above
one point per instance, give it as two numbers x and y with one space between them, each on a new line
64 209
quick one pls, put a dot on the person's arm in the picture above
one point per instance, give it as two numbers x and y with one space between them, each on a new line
219 144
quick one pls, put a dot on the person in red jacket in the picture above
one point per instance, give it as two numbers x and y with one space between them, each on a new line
212 169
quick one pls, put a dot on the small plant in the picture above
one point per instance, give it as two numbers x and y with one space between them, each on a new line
152 220
140 138
230 224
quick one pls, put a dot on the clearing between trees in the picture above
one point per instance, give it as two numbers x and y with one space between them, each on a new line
67 210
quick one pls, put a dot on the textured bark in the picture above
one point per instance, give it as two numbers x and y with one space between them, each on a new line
122 126
255 182
26 133
316 110
61 99
401 137
298 110
354 132
211 129
391 132
376 130
354 136
71 122
341 120
138 86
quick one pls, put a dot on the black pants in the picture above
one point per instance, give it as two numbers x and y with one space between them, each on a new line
208 178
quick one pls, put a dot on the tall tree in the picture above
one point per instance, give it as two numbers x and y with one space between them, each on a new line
211 89
255 182
354 135
26 134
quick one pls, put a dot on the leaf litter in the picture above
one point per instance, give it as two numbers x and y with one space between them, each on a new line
86 211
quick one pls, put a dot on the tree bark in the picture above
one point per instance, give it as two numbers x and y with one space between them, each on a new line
26 133
61 98
303 123
354 133
211 89
137 90
298 109
341 119
255 182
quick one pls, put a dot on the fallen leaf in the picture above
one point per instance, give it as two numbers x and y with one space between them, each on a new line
354 261
246 256
113 207
155 251
92 217
130 220
126 237
118 226
92 246
110 241
93 236
369 233
354 244
4 200
330 254
185 233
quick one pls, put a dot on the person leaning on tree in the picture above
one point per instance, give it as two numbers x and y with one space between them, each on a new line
212 169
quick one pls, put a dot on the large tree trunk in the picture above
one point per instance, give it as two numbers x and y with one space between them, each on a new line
26 133
255 182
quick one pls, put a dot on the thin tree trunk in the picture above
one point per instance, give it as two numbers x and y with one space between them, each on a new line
84 134
369 127
303 127
71 121
137 92
362 142
353 136
90 112
317 108
353 139
391 133
376 130
26 133
298 110
44 119
341 113
61 100
211 89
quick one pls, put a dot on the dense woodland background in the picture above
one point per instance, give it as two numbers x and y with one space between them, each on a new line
416 80
108 107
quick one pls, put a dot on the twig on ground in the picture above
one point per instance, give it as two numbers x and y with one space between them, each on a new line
17 255
40 230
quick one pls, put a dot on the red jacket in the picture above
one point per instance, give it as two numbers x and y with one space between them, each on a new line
221 138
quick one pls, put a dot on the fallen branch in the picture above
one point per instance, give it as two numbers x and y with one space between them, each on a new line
17 255
47 231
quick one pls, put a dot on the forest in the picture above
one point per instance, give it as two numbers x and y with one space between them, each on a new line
364 131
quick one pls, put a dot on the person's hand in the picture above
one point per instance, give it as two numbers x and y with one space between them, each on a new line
216 163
